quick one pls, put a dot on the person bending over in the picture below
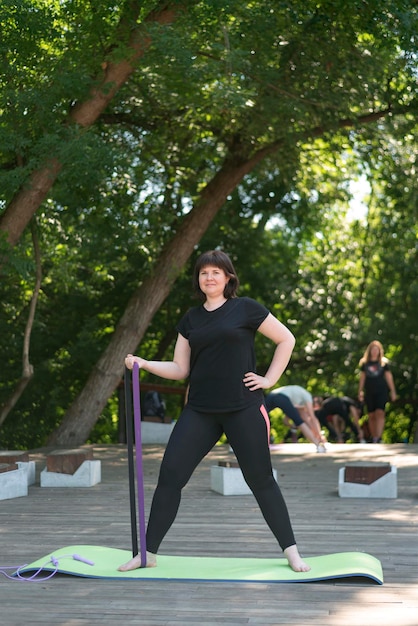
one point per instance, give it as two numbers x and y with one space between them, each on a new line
344 414
301 398
277 400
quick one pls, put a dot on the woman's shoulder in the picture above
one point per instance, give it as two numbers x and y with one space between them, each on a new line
190 315
249 304
252 310
247 301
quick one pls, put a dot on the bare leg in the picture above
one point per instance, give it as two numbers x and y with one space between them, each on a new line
313 423
379 423
294 559
355 416
306 431
372 425
338 425
135 562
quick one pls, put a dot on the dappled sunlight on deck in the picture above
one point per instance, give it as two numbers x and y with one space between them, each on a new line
209 524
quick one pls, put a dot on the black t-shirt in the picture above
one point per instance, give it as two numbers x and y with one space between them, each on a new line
335 406
222 351
331 406
375 382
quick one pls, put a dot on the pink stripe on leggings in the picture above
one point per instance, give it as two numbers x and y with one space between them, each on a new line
266 419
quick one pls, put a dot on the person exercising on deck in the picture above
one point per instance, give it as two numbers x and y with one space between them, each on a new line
215 348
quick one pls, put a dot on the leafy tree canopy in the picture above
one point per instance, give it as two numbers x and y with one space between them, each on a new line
310 95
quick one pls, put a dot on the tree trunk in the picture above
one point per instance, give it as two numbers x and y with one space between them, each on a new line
108 371
30 196
27 200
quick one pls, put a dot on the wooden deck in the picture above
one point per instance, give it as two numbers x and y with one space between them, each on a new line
211 524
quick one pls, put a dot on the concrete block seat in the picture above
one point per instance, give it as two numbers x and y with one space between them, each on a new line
13 481
226 478
368 480
153 430
71 468
22 459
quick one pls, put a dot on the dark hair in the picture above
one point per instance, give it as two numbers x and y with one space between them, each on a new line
220 259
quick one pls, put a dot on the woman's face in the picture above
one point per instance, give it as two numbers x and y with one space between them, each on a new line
374 353
212 281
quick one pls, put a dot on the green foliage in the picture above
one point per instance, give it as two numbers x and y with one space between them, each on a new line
106 429
225 80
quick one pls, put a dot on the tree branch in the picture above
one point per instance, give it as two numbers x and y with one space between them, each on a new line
30 196
27 368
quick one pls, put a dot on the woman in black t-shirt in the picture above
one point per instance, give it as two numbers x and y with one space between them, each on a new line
375 384
215 349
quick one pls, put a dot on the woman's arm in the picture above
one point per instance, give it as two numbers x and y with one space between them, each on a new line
177 369
285 341
391 384
361 383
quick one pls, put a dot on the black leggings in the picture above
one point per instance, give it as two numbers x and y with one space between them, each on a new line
193 436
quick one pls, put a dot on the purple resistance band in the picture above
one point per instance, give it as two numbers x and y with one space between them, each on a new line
139 469
131 467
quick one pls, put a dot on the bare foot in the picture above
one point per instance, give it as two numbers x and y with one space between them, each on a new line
295 561
135 562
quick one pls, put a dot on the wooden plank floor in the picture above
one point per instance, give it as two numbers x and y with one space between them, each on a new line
211 524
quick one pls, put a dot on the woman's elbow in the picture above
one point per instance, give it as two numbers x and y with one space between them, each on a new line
182 373
291 340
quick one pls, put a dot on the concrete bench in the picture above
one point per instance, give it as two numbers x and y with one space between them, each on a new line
13 481
71 468
368 480
156 431
21 458
157 420
226 478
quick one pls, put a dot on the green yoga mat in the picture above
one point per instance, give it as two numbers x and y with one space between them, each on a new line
105 562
